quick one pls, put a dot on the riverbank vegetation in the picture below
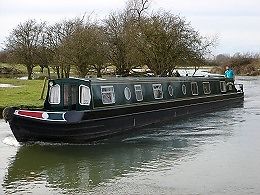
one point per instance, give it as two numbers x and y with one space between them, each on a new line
243 64
130 38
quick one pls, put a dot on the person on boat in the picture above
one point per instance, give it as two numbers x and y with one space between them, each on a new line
177 74
229 73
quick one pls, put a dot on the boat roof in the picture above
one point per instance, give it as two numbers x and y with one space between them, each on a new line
147 79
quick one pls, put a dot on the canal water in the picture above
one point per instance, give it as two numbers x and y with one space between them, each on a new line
214 153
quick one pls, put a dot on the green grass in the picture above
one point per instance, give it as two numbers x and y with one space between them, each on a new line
27 94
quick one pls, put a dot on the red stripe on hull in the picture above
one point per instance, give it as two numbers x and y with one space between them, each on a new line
30 114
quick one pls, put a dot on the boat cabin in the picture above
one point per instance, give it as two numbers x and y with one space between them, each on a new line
91 94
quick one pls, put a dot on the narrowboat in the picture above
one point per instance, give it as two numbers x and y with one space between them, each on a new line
82 110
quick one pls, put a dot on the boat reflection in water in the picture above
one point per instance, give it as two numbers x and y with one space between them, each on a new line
48 169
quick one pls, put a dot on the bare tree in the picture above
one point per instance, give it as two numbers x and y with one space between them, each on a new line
24 42
130 38
117 40
56 35
167 41
162 40
3 56
158 42
121 32
75 51
99 57
136 8
44 54
86 49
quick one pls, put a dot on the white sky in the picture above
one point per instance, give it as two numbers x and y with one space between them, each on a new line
235 22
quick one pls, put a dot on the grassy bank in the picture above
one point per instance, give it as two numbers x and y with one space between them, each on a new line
25 94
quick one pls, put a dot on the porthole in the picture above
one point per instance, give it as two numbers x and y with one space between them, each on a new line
183 88
170 90
127 93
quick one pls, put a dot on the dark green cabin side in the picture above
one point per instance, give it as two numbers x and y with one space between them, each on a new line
88 94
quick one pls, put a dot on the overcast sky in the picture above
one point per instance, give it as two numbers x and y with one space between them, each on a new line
235 22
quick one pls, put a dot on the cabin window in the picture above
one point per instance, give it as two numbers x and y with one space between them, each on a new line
70 94
206 88
170 90
127 93
54 94
138 92
66 95
157 91
84 95
184 90
108 94
194 88
74 93
223 87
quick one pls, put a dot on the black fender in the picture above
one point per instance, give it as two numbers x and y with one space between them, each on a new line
8 113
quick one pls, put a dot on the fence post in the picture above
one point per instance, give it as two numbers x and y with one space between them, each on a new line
43 87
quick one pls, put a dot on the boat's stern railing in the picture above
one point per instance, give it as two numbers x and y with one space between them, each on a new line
239 87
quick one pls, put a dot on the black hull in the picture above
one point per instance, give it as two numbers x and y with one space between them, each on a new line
99 124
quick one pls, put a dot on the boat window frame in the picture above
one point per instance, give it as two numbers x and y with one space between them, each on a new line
65 94
230 86
80 95
59 97
197 88
224 85
74 98
157 91
112 92
170 90
184 89
138 90
208 90
127 90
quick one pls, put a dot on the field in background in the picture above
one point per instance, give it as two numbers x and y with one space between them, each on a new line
20 93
